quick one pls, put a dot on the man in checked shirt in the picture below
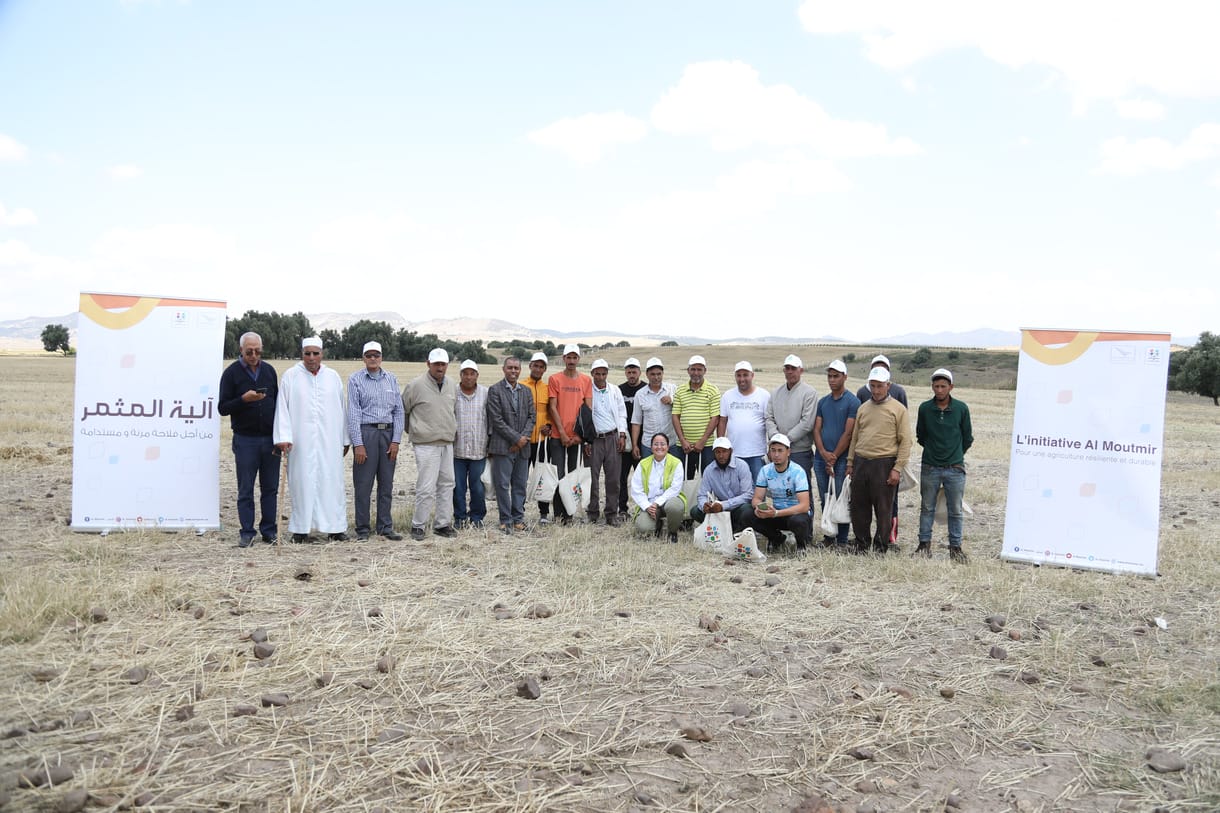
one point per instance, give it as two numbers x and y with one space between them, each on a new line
374 428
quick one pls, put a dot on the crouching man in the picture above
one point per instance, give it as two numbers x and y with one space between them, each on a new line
728 480
781 498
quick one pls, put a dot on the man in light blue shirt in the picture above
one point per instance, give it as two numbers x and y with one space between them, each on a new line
726 486
374 428
605 448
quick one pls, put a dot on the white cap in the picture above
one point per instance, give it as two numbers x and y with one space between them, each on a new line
599 363
838 366
371 346
654 362
438 354
631 362
879 374
311 341
942 373
880 359
571 348
722 443
469 364
780 437
744 365
539 356
696 360
793 360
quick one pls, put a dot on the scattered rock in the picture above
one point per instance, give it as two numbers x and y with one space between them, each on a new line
323 680
297 610
623 613
49 775
708 623
1014 635
44 674
198 612
834 647
184 713
643 798
995 622
263 651
816 804
391 734
756 671
81 717
948 693
1084 605
696 733
736 579
999 653
528 688
1164 761
244 710
363 582
826 603
274 699
954 801
1041 624
303 574
366 683
861 752
136 674
903 692
539 611
773 568
719 638
258 636
374 612
677 749
143 799
72 801
946 608
575 780
503 614
573 651
1098 660
739 709
426 766
1029 678
771 581
386 663
97 615
180 603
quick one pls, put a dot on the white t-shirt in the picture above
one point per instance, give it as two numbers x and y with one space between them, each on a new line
747 419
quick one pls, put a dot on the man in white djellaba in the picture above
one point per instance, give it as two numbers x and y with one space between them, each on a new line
309 428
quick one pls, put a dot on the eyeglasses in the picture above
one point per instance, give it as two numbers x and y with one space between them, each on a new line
372 354
252 351
312 353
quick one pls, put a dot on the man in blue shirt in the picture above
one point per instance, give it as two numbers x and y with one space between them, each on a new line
832 426
374 428
781 498
728 478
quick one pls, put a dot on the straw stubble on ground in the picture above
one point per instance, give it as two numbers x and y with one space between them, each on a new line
427 676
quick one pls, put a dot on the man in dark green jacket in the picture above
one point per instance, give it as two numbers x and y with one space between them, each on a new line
942 428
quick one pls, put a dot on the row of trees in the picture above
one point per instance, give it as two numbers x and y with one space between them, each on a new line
1197 370
282 334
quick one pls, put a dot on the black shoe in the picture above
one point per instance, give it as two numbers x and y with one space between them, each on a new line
393 536
270 540
673 538
417 534
362 537
339 537
828 541
445 531
476 524
956 554
300 539
245 542
924 549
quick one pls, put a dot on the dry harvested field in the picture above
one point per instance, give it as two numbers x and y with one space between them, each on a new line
392 674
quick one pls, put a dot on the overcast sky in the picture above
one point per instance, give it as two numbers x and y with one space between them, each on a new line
664 166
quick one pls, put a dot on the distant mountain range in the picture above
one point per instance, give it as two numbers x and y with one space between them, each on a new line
23 334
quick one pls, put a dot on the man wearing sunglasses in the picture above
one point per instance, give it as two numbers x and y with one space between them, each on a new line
374 428
248 391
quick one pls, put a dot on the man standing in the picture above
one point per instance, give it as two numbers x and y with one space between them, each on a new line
781 498
696 414
374 428
605 448
791 411
429 406
832 429
470 448
730 482
309 428
541 433
247 395
653 411
510 419
743 418
566 392
633 384
942 427
899 394
880 447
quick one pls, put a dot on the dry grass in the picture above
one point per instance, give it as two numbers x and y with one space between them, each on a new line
843 654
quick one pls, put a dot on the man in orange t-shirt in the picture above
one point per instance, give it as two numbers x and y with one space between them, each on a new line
567 391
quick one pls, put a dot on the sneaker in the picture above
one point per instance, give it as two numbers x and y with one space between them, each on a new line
544 520
361 537
956 554
393 536
245 542
445 531
673 538
417 534
476 524
924 549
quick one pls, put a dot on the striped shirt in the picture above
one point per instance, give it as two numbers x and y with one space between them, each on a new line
694 408
373 399
471 411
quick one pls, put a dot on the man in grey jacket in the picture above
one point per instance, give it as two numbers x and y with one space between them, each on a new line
429 405
791 411
510 419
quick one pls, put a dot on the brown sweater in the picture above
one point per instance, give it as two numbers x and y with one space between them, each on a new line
882 430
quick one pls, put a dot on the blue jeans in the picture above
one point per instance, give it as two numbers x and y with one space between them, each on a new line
255 457
469 473
931 480
755 464
823 478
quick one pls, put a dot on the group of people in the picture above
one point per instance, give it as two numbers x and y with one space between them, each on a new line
755 453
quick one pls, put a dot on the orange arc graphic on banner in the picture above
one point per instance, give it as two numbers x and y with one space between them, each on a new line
1074 342
96 307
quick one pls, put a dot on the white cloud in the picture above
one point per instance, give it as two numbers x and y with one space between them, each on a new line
11 149
17 217
908 84
155 245
1141 109
726 103
1121 156
586 139
1105 49
124 172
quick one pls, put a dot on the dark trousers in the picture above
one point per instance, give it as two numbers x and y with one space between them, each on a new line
255 457
872 495
695 462
544 508
605 460
800 525
509 475
377 466
565 460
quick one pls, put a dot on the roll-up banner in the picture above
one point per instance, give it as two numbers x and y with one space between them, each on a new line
1084 479
146 433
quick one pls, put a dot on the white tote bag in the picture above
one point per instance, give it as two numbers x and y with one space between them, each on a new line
909 475
574 487
829 526
842 507
544 478
744 546
714 530
690 489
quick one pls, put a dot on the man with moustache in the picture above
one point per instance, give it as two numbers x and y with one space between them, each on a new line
943 429
730 481
567 390
429 404
653 412
605 448
510 419
899 394
781 498
696 414
470 448
880 447
374 428
247 394
791 412
743 418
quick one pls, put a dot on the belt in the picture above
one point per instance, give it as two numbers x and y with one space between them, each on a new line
607 434
379 425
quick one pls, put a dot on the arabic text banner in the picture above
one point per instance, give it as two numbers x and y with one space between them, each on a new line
1084 480
146 433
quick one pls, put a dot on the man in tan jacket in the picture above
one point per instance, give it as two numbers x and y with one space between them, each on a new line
880 447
